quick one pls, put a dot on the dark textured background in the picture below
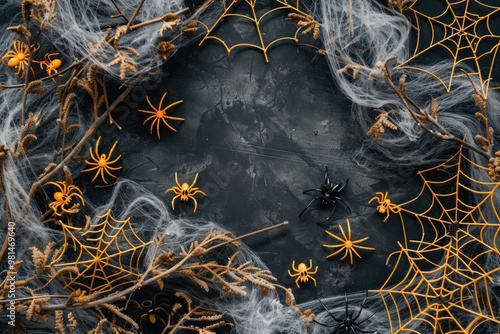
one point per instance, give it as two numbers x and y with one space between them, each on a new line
259 134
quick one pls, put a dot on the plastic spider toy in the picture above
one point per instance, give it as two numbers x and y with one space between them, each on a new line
19 57
64 198
347 245
185 192
385 205
347 324
160 114
51 65
102 162
152 314
329 192
303 273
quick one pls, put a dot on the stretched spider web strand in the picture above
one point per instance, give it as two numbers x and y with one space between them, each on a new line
461 32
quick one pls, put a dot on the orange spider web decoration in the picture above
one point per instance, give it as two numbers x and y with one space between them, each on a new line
249 14
108 255
446 288
463 29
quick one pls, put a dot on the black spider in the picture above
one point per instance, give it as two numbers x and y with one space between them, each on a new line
151 314
348 324
329 192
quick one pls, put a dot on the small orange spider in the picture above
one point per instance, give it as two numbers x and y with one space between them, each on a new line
346 244
64 197
19 57
385 205
101 162
51 64
158 114
303 273
185 192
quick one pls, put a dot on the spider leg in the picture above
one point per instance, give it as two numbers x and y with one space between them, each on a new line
346 302
91 168
148 112
173 200
92 155
56 184
195 203
174 104
96 175
108 172
330 314
308 205
343 185
113 161
337 251
150 104
161 101
177 181
79 197
297 282
20 68
176 191
175 118
386 216
360 310
168 125
331 213
157 120
308 191
101 171
347 252
194 181
197 191
343 202
112 148
96 149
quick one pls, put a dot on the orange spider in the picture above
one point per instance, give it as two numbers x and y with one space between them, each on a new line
160 114
19 57
51 64
101 162
385 205
346 244
185 192
303 272
64 197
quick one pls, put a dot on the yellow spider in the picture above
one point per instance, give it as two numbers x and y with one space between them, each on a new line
303 273
102 162
19 57
63 199
185 192
347 244
158 114
51 64
385 205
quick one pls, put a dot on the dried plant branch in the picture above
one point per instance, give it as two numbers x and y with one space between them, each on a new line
421 117
120 12
90 131
211 242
